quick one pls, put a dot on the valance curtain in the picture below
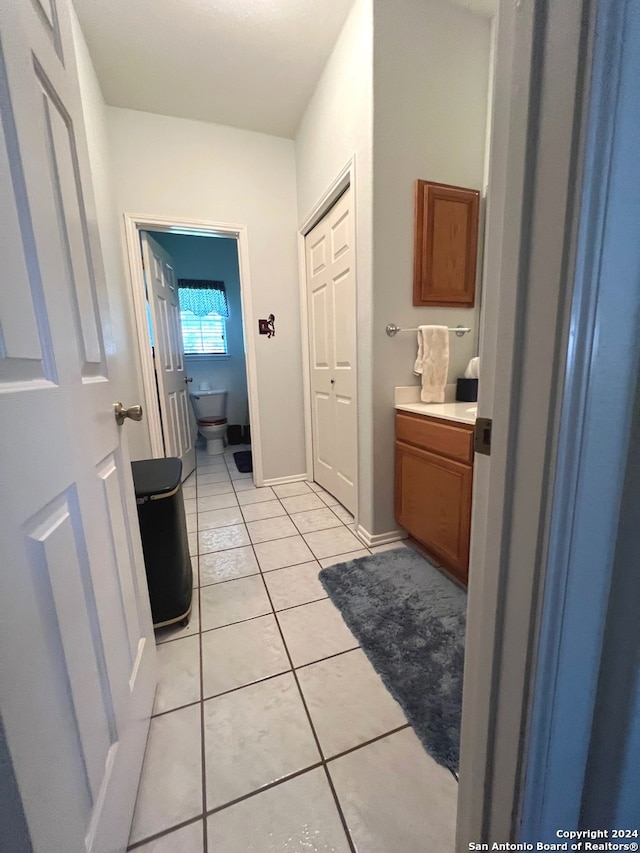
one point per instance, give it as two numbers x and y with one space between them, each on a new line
203 297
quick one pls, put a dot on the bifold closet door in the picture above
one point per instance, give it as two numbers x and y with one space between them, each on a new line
331 299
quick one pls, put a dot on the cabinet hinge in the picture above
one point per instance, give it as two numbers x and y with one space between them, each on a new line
482 436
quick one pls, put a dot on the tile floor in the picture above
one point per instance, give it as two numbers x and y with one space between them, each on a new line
271 731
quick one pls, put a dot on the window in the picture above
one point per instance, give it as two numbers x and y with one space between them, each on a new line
203 312
203 335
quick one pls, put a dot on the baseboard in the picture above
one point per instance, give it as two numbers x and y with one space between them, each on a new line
280 481
373 539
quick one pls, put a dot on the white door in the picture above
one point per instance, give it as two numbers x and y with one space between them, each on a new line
331 296
162 293
77 655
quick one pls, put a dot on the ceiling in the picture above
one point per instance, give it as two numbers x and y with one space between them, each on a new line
246 63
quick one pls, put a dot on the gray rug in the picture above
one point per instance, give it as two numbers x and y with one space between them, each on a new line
410 621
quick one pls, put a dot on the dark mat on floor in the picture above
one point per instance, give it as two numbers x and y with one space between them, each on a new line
244 461
410 621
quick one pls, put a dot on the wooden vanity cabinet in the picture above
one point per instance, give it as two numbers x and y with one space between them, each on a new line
433 484
445 245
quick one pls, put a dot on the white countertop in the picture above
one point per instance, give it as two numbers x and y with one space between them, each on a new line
464 413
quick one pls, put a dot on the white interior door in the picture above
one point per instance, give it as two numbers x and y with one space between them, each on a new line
331 296
162 293
77 655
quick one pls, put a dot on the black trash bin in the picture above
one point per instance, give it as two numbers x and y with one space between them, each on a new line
163 527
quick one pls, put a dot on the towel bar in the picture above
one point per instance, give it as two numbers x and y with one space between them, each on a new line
392 330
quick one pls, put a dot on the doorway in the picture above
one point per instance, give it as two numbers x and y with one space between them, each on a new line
209 263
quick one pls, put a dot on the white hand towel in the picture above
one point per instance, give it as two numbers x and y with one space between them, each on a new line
432 362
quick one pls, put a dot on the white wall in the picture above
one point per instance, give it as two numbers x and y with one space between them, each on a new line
405 92
215 258
431 76
194 170
338 125
123 360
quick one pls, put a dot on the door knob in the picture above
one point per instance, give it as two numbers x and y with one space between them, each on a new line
133 412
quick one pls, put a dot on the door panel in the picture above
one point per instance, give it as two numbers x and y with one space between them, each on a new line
332 341
77 656
162 293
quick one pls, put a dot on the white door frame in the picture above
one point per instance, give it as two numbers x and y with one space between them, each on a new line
346 178
133 224
543 66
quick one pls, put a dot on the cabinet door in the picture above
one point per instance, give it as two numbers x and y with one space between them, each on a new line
446 245
433 503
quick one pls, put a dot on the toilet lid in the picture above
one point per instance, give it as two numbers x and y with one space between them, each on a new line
212 421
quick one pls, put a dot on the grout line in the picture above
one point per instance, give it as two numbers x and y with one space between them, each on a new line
328 657
248 684
267 787
369 742
303 604
343 820
162 833
205 843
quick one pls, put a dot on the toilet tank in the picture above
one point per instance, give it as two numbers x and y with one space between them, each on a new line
209 404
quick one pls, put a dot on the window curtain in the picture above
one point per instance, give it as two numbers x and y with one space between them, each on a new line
203 297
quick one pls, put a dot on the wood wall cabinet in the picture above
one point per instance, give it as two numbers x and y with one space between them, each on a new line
434 476
446 245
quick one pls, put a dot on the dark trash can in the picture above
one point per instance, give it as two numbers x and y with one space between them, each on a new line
234 434
163 527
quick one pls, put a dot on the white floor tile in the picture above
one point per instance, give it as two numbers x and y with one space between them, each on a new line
298 815
255 736
227 565
192 539
348 702
217 518
195 572
241 654
192 523
189 491
254 496
294 585
175 632
210 502
170 788
244 485
315 631
289 490
315 519
233 601
328 543
302 503
282 552
213 477
179 674
189 839
205 490
327 499
395 798
239 475
266 509
343 514
271 528
325 562
190 505
234 536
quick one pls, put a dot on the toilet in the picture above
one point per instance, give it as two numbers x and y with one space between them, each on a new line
210 408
